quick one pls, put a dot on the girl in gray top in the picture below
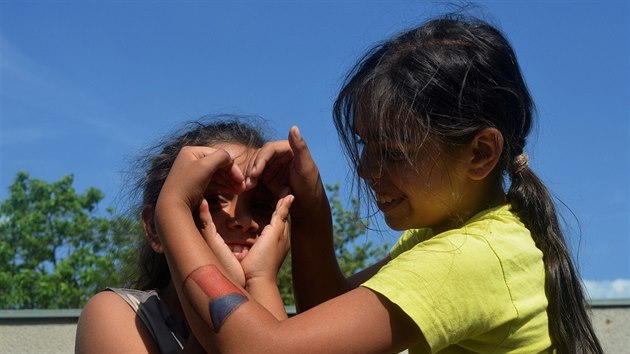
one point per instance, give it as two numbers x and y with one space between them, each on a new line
150 317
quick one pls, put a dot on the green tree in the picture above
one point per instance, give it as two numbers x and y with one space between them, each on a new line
353 252
55 251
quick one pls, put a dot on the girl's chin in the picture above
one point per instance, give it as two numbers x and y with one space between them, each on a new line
397 222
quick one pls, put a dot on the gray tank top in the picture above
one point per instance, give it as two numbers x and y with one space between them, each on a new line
158 319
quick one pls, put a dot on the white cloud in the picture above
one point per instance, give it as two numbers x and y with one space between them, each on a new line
608 289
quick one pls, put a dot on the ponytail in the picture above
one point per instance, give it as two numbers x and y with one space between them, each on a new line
569 323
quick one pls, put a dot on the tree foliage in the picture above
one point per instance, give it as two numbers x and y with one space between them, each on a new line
353 251
55 250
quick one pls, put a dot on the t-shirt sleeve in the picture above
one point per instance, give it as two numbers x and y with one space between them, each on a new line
451 286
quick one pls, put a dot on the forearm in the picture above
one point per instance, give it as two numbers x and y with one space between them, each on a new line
209 299
187 252
226 334
316 273
265 292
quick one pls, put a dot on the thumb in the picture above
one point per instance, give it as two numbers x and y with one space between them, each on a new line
302 155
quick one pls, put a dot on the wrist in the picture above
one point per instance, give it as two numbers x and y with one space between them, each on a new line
265 280
167 204
171 213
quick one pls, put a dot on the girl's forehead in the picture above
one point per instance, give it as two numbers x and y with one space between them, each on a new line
401 132
379 129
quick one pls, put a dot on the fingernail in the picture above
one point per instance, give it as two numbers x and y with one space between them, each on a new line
296 133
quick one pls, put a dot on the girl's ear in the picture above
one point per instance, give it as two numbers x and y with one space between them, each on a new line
148 224
486 149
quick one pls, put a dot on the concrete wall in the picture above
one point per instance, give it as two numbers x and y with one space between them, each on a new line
612 325
38 331
52 331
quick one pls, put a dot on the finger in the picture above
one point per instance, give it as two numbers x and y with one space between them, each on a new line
280 217
222 169
199 152
303 160
224 183
251 182
235 173
208 229
207 225
277 152
217 244
220 160
271 165
276 233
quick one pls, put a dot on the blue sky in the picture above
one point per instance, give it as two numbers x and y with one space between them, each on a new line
85 85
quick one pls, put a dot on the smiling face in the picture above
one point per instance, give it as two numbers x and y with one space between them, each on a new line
415 187
240 219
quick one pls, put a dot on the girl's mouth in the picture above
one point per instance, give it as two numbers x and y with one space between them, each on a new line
387 203
239 250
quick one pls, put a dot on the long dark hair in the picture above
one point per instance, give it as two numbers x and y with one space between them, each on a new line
445 81
154 164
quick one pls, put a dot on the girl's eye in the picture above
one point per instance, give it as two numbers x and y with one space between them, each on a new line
265 208
215 201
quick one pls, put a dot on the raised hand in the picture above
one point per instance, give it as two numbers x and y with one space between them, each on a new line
285 167
266 256
216 243
192 171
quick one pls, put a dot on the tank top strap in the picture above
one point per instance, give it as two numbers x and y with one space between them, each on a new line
157 318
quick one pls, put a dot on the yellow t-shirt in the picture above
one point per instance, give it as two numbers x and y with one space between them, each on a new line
479 288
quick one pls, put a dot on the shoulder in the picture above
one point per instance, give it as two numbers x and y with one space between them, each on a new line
108 324
409 239
107 303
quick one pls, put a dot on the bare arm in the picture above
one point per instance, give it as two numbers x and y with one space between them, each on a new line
108 325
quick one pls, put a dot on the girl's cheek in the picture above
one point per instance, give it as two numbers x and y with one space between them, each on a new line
400 169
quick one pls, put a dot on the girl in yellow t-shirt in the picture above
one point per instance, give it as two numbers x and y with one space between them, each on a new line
434 120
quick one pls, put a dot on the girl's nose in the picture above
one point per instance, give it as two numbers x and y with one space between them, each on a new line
242 221
369 169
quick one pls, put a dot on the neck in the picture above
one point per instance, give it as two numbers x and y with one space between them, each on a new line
479 198
491 195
